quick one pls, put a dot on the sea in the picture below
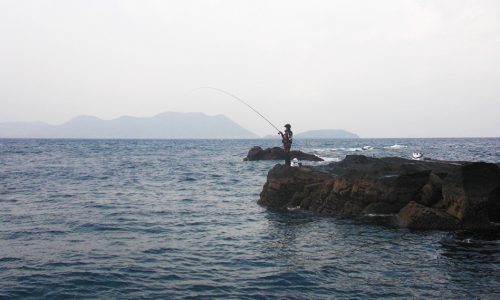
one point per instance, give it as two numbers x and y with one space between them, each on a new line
179 219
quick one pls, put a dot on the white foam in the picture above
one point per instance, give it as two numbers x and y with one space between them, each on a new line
331 159
325 149
396 146
379 215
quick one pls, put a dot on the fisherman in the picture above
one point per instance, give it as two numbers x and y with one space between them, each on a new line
287 139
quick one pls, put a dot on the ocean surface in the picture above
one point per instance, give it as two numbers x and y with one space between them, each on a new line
170 219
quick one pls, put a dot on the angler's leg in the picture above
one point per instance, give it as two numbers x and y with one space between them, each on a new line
287 155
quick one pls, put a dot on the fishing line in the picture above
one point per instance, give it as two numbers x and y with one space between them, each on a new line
239 99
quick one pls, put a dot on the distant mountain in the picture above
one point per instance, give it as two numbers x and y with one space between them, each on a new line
326 134
169 125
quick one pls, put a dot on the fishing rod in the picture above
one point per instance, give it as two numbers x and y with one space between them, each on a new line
239 99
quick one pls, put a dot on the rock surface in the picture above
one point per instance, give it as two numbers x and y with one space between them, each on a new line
277 153
417 194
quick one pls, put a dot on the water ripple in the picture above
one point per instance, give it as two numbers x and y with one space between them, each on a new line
163 219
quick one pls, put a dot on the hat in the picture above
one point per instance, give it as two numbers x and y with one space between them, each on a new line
288 125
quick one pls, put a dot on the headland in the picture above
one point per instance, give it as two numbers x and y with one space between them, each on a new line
426 194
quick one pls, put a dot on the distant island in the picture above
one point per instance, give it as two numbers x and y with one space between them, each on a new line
322 134
326 134
168 125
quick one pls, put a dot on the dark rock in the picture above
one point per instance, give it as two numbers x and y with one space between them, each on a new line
417 216
470 192
431 192
277 153
443 195
287 182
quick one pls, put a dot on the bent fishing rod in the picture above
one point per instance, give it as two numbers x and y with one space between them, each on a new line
239 99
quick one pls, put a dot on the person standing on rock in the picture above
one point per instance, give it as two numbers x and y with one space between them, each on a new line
286 139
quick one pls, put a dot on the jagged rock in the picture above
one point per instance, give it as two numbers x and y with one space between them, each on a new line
431 192
471 193
424 194
277 153
286 182
417 216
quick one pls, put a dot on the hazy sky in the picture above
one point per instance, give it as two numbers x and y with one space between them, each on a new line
401 68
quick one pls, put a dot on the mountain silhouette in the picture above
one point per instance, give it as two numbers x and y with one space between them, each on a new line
326 134
168 125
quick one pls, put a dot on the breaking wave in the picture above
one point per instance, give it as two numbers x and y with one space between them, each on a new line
396 146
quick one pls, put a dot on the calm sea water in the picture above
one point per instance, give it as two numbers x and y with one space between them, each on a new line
179 219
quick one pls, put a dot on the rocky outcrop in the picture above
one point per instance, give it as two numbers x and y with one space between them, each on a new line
416 194
418 216
277 153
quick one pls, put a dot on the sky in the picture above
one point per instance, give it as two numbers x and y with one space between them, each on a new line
386 68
